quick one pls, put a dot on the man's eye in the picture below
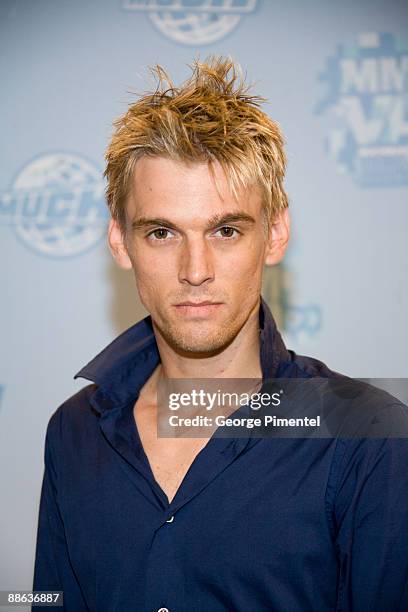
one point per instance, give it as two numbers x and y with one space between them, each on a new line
227 232
159 234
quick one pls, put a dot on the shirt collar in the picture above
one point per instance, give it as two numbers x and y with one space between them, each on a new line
122 368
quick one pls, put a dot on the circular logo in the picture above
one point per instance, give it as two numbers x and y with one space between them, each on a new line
193 22
57 205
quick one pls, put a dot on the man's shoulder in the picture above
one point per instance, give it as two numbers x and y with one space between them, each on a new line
74 414
304 366
357 398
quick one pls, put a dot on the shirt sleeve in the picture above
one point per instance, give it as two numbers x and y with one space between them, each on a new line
52 569
371 525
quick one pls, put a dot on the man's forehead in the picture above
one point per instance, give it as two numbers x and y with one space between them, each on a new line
151 165
164 187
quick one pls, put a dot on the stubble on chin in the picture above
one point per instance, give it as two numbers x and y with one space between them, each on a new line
194 340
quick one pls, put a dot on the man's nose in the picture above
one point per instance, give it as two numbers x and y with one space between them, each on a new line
196 262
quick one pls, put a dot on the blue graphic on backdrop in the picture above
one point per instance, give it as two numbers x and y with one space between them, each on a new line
294 317
1 395
368 94
303 319
193 22
56 204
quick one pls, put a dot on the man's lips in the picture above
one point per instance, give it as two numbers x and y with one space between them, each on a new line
197 309
206 303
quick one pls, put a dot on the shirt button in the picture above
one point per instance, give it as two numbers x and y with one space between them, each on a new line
170 520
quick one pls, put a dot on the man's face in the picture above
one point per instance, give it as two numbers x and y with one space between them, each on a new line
189 244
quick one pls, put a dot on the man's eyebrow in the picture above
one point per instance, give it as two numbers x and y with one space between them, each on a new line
214 221
141 222
232 217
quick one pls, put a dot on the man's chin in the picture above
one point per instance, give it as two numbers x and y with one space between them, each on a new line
197 341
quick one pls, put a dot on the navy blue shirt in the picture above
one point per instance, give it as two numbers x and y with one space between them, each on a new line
257 524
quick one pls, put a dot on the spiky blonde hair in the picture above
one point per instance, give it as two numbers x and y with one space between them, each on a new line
210 117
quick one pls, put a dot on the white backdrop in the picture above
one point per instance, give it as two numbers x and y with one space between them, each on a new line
336 76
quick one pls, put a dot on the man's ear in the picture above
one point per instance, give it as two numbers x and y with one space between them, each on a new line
117 247
278 238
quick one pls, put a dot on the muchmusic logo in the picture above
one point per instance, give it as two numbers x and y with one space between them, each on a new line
56 205
193 22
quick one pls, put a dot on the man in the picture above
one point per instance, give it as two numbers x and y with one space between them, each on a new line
133 521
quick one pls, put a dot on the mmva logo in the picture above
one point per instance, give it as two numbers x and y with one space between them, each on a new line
193 22
368 100
56 205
